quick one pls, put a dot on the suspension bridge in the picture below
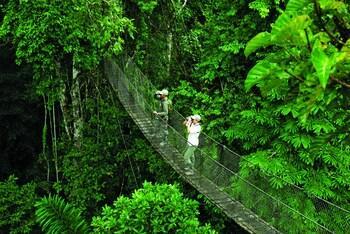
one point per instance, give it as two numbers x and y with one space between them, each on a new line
216 173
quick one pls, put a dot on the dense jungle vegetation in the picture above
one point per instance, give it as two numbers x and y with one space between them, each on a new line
270 78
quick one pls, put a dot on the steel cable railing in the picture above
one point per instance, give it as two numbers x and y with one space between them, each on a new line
221 165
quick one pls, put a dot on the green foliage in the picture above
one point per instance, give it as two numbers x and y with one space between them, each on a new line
148 164
290 116
262 39
263 6
287 30
322 63
214 90
297 130
152 209
17 206
52 36
111 146
288 220
147 6
330 5
89 170
262 70
158 34
45 32
296 6
56 216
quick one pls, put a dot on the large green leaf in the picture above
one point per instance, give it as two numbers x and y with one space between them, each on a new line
260 40
296 5
281 23
260 71
322 64
344 54
289 29
331 4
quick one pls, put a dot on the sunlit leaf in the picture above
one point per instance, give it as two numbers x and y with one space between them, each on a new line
296 5
262 39
260 71
289 29
331 4
322 64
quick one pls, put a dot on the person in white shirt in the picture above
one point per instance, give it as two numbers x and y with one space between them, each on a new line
193 129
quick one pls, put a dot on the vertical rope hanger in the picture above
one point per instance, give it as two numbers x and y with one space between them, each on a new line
127 153
124 143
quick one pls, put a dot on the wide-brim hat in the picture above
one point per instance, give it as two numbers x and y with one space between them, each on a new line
196 117
164 92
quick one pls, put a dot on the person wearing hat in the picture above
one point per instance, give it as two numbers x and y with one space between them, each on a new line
162 115
193 130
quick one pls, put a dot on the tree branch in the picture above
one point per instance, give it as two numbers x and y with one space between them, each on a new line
340 82
319 16
297 77
308 40
343 30
183 5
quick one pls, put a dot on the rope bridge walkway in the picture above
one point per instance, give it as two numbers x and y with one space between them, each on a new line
216 173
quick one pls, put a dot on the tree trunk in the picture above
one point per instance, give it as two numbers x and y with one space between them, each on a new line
71 101
63 73
44 141
65 112
76 110
169 51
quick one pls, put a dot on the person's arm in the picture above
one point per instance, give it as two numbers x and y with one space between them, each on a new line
187 121
189 128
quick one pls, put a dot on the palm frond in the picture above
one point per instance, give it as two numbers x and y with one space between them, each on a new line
56 216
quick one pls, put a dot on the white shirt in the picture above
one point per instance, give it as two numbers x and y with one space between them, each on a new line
193 134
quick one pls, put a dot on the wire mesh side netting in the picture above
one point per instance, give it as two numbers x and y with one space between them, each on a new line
287 208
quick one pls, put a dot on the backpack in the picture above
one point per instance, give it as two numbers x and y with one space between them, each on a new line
170 105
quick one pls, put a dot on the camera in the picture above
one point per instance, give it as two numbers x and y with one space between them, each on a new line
188 120
157 95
